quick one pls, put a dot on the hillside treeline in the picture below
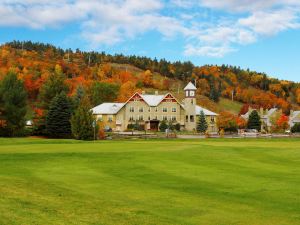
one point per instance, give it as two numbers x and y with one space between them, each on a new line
35 62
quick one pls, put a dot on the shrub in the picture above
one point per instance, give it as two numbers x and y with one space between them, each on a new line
163 126
130 126
296 128
177 126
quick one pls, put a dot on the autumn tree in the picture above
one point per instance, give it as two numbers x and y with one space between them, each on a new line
227 121
126 91
298 95
281 123
54 85
13 104
148 78
103 92
58 117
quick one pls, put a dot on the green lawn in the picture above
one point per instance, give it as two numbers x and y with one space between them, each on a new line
221 182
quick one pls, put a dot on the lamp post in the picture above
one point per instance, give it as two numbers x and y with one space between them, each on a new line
94 126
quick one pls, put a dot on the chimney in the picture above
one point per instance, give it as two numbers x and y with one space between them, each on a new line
156 92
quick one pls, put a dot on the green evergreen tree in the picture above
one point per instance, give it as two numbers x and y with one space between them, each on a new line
54 85
82 122
103 92
201 123
58 117
296 128
80 93
163 126
254 121
214 94
13 104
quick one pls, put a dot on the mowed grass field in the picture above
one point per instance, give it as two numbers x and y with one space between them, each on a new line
220 182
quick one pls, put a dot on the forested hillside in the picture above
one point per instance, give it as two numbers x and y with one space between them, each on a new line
103 77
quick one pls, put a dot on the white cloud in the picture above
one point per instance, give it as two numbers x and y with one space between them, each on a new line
271 22
107 22
211 51
248 5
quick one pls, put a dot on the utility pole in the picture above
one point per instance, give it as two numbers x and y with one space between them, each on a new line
232 93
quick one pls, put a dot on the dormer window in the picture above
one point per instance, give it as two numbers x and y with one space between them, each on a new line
192 93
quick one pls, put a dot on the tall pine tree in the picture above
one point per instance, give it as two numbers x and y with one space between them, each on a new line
254 121
201 123
13 104
82 121
58 118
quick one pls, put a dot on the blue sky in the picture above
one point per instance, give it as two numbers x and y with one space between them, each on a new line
262 35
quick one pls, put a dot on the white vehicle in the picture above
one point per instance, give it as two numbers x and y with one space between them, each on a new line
250 133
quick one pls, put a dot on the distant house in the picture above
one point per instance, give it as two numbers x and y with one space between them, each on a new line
267 116
150 110
294 118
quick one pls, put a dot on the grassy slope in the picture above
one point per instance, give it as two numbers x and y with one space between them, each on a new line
150 182
231 106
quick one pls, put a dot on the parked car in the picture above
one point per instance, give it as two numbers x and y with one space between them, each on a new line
107 129
250 133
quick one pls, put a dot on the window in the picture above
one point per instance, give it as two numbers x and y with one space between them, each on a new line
212 119
192 101
110 119
156 109
192 93
174 118
165 110
186 118
173 109
191 118
140 118
149 118
131 109
165 118
149 110
131 118
100 118
141 109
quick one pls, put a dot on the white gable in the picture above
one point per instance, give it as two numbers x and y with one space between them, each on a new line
153 100
206 111
190 86
107 108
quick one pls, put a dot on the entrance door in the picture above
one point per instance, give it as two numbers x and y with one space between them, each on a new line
154 125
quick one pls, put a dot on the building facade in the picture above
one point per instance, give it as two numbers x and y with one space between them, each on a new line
294 118
267 117
150 110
